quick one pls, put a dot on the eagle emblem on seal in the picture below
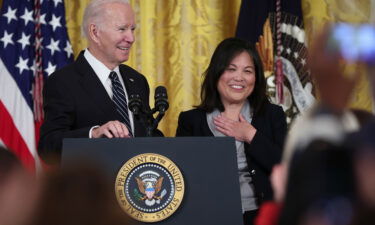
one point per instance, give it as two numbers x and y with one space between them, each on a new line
150 184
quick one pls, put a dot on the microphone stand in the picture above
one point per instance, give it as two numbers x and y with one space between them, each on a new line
149 121
157 120
145 114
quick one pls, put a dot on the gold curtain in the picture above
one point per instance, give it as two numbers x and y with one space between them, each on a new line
174 43
176 38
317 13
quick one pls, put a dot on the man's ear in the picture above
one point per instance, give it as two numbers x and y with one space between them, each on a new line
94 32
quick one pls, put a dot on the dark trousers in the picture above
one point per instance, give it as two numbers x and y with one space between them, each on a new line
249 216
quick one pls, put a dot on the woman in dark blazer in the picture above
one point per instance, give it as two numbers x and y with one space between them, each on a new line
234 104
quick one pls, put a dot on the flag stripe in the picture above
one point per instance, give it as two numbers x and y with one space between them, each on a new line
12 138
21 116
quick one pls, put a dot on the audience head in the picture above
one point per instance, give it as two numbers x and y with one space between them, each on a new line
235 64
365 179
364 143
78 195
109 27
321 178
8 162
19 191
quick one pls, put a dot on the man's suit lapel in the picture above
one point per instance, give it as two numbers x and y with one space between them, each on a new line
94 88
129 80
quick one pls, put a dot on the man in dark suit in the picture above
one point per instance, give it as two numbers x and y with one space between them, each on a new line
88 98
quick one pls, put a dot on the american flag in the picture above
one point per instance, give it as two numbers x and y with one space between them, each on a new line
33 44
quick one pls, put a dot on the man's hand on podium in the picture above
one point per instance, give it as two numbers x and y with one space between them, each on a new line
110 130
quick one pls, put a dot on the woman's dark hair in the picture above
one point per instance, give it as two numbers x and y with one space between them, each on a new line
225 52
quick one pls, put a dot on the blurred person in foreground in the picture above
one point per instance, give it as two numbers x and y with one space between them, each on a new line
78 194
19 191
234 104
321 184
88 98
327 121
364 161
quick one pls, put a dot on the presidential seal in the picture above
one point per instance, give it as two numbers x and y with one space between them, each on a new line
149 187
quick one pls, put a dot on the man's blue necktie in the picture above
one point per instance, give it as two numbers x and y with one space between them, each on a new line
120 100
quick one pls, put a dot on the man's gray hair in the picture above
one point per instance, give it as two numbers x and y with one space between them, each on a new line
94 12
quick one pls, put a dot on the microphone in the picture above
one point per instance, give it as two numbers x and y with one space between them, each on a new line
135 104
161 99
